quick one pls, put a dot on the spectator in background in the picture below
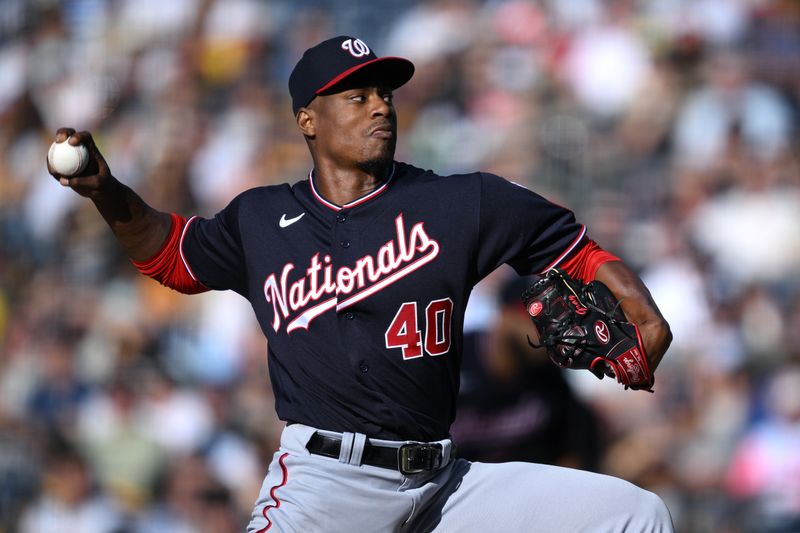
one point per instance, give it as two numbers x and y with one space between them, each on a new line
59 391
764 473
730 106
126 460
69 501
190 500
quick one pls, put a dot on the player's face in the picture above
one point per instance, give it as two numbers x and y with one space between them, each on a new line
356 127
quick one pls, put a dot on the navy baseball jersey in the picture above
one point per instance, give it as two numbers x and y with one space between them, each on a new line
363 304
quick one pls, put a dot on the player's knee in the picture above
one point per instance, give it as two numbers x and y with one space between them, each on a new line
654 513
637 510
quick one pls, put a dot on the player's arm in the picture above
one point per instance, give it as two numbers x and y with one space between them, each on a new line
639 308
150 237
140 229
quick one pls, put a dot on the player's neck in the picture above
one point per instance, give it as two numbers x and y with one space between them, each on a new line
342 186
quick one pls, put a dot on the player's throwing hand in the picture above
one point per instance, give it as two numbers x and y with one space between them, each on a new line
93 179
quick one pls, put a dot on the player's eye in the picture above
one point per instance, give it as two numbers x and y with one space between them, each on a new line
360 98
388 98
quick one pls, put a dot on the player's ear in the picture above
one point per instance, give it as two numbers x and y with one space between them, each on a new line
306 121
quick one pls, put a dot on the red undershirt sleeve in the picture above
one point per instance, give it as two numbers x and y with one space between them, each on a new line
167 266
583 263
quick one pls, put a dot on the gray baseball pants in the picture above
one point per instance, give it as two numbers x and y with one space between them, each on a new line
308 493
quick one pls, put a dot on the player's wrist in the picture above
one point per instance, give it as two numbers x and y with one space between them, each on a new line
107 188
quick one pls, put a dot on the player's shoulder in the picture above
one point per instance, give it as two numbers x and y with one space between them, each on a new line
410 173
265 191
405 169
479 179
257 196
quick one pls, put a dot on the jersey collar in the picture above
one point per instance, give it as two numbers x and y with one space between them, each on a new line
358 201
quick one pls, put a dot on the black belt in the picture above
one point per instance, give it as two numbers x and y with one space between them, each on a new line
411 458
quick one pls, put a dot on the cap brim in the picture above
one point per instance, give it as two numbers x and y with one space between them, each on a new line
393 71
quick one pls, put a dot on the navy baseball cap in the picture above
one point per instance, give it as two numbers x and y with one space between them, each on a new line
325 66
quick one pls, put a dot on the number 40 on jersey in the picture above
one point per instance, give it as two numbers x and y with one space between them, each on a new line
404 331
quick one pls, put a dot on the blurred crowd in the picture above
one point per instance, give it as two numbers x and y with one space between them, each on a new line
669 126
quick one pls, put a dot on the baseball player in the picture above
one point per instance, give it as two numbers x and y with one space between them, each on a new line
359 276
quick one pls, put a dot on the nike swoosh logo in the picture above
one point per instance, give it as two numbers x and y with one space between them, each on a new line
286 222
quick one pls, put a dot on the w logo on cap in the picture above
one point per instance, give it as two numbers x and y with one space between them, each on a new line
356 47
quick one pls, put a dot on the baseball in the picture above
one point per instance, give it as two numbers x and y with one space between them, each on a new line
66 159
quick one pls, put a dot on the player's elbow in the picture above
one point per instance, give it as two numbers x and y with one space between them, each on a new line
167 266
659 337
667 333
664 333
183 285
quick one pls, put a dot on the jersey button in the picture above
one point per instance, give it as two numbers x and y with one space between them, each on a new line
345 244
341 217
364 367
349 316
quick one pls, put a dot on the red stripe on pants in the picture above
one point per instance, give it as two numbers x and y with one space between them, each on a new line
272 493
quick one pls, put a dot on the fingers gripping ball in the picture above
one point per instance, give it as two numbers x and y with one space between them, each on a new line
583 326
66 159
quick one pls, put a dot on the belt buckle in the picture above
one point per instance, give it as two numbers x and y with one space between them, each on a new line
414 457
